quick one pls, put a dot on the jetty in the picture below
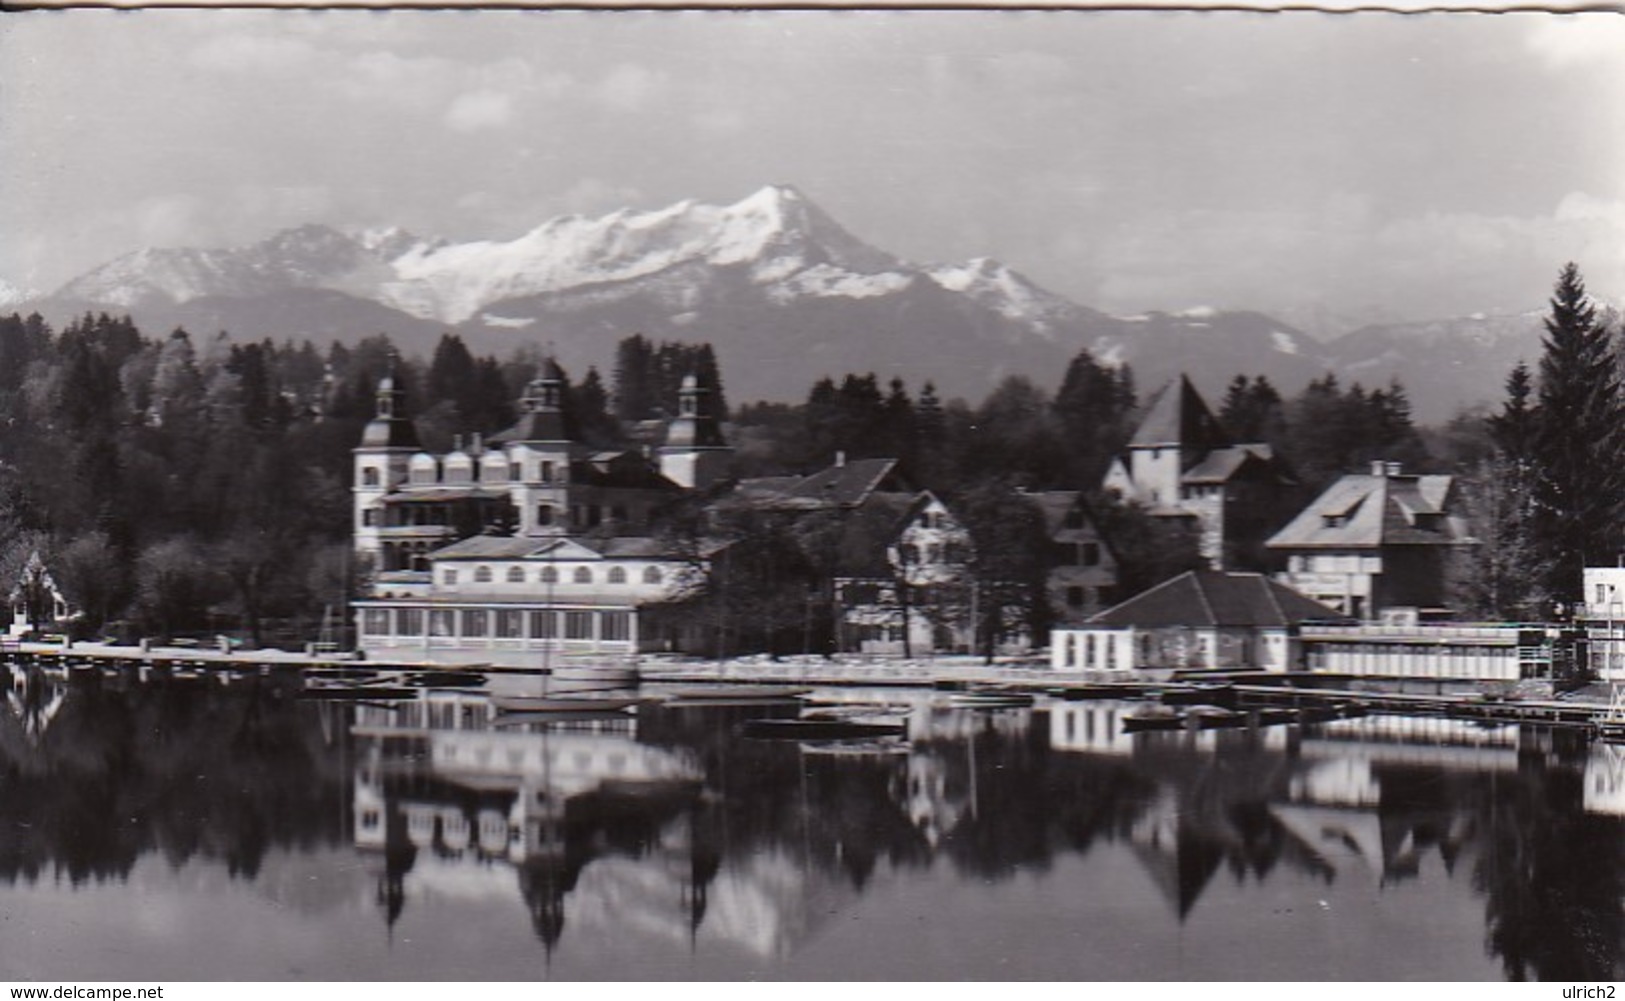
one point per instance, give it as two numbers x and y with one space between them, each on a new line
1307 695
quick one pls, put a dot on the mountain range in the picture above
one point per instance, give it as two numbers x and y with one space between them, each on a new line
783 291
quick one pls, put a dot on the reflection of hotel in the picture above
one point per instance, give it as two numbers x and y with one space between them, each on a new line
456 801
450 800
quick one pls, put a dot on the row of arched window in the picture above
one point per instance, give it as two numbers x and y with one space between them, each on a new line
550 575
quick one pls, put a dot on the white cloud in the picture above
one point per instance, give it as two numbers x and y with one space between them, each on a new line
592 195
630 87
238 53
168 220
720 121
480 109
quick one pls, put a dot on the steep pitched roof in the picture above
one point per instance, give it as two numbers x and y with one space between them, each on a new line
1216 598
1055 505
625 469
1363 510
866 537
1179 416
533 425
848 484
1224 464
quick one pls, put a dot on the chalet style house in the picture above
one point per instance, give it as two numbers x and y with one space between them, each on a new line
1082 578
901 558
1374 541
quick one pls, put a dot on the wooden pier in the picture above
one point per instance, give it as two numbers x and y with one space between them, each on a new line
1245 691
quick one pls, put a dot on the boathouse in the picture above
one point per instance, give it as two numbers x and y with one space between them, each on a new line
1200 619
36 602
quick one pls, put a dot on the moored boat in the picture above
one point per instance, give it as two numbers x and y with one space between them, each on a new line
560 704
822 728
990 700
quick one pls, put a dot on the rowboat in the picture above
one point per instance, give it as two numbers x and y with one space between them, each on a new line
737 693
559 704
835 728
990 700
359 692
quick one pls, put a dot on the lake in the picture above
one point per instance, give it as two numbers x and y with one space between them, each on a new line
194 830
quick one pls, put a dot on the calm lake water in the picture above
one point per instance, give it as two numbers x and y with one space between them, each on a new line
199 831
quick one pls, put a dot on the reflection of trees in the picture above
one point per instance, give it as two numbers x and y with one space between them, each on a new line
229 773
180 769
1553 876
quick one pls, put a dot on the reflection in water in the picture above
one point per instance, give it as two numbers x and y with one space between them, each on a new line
666 825
445 794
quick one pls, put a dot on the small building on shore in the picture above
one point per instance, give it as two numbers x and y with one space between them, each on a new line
36 601
1200 619
1403 647
1601 619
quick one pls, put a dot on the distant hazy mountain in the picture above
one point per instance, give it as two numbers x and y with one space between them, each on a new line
1444 364
784 292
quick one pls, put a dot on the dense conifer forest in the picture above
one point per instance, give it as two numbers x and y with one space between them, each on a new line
177 482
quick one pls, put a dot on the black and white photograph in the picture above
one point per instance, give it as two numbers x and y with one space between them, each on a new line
811 495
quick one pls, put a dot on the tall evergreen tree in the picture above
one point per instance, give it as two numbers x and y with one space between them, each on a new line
1513 429
1579 460
1094 405
634 389
589 407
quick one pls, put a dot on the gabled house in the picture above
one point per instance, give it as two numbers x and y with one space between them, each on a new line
36 602
903 582
1375 540
1200 619
901 559
1182 464
1082 578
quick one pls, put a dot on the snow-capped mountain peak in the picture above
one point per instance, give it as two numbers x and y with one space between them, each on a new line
11 294
773 234
1008 292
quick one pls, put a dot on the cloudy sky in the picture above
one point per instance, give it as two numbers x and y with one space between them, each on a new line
1330 169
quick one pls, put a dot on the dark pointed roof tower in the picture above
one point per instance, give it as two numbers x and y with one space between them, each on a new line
541 409
390 427
696 425
1180 418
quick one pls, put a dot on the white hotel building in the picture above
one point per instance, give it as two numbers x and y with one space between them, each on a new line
579 573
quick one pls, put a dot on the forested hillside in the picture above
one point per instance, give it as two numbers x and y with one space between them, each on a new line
185 483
